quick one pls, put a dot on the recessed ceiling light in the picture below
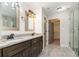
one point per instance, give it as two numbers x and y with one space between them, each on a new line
61 8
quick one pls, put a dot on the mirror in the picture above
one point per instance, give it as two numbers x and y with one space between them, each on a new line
30 20
9 13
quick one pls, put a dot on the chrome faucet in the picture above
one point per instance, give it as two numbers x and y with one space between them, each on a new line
11 36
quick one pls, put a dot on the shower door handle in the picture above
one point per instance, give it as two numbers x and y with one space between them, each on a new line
78 28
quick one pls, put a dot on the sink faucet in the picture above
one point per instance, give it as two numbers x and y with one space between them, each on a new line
11 36
33 34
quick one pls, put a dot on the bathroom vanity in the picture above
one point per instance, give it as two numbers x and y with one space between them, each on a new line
11 21
28 47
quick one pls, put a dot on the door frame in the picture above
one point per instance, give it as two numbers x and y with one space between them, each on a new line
45 30
48 29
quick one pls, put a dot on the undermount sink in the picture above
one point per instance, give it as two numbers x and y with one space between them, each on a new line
4 40
18 38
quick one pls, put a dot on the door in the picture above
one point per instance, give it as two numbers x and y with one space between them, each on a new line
51 32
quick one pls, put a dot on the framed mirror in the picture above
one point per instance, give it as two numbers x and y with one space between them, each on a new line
9 13
30 20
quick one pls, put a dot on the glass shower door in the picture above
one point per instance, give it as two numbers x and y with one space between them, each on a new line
71 27
76 31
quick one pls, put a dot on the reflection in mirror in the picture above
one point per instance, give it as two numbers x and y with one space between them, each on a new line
9 13
29 22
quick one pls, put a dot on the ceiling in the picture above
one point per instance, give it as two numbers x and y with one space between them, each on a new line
49 7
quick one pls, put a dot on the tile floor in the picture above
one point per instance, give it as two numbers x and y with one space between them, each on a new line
57 51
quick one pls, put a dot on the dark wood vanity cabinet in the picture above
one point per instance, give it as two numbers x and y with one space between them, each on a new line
12 50
0 52
30 48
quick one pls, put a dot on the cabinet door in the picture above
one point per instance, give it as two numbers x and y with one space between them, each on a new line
40 46
35 49
24 53
27 52
0 53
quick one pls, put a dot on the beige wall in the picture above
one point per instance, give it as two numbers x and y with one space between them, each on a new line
57 30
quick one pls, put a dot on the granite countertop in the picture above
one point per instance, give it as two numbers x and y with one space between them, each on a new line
5 43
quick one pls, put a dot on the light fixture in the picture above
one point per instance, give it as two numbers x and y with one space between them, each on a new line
61 8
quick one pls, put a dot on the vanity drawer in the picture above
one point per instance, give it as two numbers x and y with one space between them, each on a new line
28 43
14 47
11 50
35 40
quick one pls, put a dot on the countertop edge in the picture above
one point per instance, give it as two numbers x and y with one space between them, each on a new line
13 42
